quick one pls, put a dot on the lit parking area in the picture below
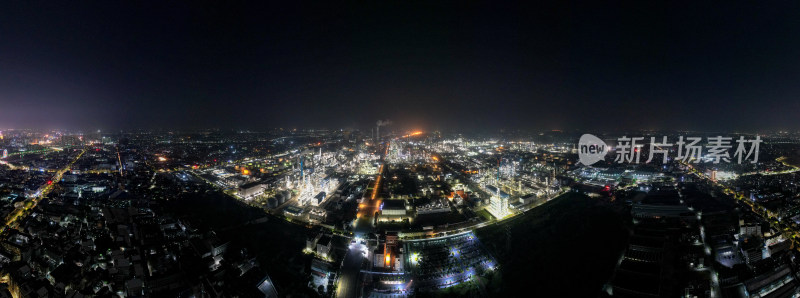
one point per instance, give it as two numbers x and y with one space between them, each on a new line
448 261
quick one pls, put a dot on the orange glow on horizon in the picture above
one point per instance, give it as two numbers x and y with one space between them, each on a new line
416 133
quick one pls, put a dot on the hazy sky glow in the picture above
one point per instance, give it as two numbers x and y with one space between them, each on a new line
125 64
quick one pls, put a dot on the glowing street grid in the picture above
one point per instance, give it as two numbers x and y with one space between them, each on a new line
446 262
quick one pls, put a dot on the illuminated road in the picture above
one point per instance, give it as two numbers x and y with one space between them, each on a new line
10 166
119 159
349 284
369 206
12 220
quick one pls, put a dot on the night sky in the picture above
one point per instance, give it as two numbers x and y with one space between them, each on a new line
460 65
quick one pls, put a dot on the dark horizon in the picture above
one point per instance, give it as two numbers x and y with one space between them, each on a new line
465 66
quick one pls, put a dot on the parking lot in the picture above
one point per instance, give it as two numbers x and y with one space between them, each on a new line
448 261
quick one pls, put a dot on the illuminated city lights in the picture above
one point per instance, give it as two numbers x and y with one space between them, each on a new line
282 149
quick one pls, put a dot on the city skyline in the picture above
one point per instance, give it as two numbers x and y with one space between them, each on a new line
338 213
399 149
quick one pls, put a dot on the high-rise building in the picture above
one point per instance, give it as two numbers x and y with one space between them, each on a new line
498 204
